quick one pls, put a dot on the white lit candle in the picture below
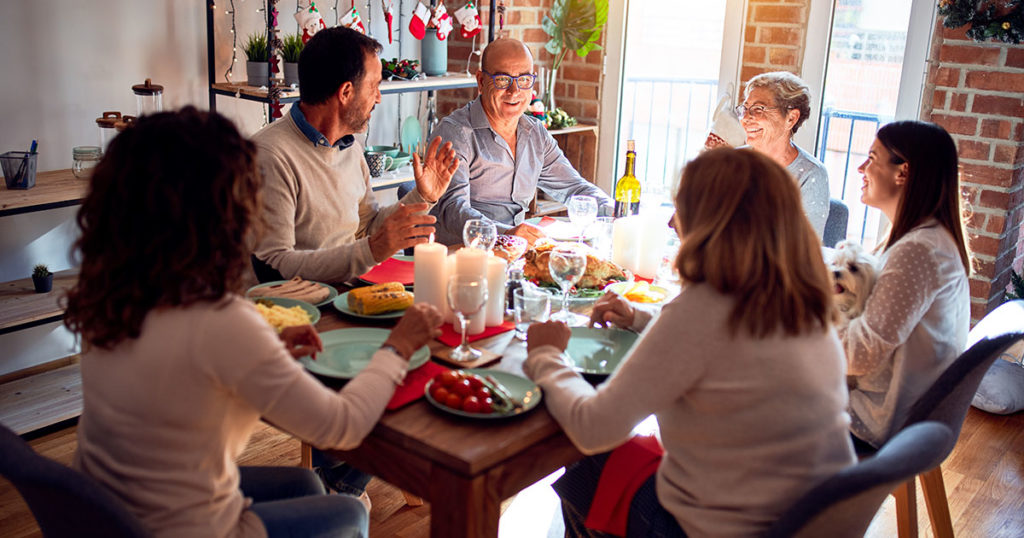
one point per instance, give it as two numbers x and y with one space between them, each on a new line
430 276
626 234
495 291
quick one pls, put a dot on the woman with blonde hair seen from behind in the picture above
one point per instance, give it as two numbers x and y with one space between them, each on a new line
743 369
774 106
916 319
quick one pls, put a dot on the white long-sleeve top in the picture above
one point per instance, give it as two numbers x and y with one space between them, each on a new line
168 413
748 424
915 323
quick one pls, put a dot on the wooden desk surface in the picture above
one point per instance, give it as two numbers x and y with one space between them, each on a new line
58 188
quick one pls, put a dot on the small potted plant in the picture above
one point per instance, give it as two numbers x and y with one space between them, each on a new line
42 278
258 54
290 51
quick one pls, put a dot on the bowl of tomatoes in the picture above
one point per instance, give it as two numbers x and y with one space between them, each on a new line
482 393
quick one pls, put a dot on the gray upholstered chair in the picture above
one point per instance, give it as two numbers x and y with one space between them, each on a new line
843 505
836 223
64 501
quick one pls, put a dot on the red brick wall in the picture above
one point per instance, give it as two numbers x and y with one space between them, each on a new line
977 94
579 80
774 37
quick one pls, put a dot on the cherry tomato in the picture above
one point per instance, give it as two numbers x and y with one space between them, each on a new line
487 405
475 382
462 388
439 393
482 393
471 405
454 401
448 378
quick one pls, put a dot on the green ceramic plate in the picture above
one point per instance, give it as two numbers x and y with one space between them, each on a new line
348 351
521 388
598 351
314 313
341 304
255 290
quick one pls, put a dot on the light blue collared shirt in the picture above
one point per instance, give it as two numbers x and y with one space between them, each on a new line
315 136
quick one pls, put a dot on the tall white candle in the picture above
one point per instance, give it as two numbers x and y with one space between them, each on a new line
472 261
449 270
626 233
495 291
429 273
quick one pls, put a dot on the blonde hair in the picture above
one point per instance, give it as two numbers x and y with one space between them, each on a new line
744 233
789 91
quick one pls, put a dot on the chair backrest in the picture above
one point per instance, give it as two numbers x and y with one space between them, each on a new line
844 504
949 397
835 223
64 501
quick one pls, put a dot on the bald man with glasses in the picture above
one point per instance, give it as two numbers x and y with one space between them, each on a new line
505 155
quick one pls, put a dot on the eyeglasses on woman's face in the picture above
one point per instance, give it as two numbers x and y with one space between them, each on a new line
503 80
755 111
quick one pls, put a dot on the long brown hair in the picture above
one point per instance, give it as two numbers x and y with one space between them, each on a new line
744 233
164 223
932 186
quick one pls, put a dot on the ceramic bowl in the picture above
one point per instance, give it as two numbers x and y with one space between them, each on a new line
390 151
399 160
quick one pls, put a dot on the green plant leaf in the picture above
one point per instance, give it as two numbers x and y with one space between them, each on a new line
574 25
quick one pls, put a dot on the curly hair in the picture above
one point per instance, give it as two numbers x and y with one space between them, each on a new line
744 233
164 224
789 91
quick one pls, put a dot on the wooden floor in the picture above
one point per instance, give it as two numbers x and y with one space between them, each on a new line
984 480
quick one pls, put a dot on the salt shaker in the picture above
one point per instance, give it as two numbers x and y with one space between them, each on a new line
514 282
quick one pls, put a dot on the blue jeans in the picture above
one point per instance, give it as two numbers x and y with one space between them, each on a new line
291 502
647 518
338 475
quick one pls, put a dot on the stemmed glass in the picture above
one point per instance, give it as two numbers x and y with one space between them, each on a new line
467 294
567 266
479 233
582 212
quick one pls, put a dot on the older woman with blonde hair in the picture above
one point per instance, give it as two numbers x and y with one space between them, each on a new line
774 107
743 369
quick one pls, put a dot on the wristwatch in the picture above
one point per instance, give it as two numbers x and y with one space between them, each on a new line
394 350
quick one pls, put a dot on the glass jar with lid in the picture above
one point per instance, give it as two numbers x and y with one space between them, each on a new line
149 97
124 123
106 126
85 159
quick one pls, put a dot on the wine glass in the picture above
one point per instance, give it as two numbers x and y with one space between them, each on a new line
479 233
566 266
467 294
582 212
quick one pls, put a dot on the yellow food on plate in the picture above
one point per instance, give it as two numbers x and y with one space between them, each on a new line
379 302
280 317
642 292
376 288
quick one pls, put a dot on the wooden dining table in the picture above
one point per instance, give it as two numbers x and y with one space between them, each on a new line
464 467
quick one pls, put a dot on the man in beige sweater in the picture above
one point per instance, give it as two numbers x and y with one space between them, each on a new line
321 221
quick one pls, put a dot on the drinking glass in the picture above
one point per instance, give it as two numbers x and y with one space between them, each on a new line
479 233
530 306
567 266
582 212
467 294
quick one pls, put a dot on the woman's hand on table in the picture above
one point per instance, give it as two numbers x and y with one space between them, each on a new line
420 324
611 308
301 340
549 333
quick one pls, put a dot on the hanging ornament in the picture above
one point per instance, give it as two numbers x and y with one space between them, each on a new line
420 18
353 20
469 18
501 15
442 21
310 21
389 16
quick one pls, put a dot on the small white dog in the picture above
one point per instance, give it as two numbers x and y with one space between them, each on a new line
853 273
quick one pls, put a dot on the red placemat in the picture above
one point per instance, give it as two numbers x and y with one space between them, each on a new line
390 270
546 221
451 337
415 381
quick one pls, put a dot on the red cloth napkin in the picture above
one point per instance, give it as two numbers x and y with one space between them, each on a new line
390 270
451 337
546 221
626 469
415 381
645 279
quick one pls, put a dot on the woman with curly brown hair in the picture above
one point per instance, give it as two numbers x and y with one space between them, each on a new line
177 368
743 369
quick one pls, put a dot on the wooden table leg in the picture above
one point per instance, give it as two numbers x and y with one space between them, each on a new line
306 456
461 507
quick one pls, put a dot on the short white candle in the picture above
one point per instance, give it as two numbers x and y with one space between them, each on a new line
495 291
472 261
430 274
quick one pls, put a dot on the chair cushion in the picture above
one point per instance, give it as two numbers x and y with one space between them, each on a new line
1002 389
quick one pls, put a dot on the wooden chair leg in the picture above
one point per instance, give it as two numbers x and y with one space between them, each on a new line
411 499
306 456
936 502
906 509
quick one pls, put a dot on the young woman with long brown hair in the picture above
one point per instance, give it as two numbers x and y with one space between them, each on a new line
177 368
743 369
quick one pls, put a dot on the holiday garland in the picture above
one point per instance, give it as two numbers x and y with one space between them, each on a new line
985 20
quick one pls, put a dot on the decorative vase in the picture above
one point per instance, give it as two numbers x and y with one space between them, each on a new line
43 284
257 74
291 73
548 77
433 54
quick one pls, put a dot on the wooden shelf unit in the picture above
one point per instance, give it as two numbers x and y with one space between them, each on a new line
21 307
59 188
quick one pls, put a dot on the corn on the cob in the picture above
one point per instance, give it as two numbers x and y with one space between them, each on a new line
368 304
376 288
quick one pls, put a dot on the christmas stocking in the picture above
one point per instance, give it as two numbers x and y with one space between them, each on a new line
353 20
310 21
469 17
389 16
442 21
420 17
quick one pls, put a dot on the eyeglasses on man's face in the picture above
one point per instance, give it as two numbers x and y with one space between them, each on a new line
755 111
502 80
